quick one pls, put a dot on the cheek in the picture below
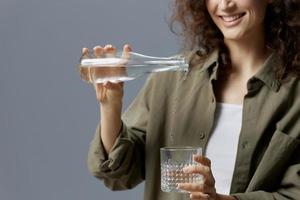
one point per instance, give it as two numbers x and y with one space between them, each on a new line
210 6
257 15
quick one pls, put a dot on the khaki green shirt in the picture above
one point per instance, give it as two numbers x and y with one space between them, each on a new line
177 108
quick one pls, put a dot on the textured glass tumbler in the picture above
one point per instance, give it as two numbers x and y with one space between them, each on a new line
172 162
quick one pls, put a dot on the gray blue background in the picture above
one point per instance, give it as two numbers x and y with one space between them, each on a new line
47 114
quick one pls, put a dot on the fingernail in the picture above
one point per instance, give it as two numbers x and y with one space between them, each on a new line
128 47
96 47
84 50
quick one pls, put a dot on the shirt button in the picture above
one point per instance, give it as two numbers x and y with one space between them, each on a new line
245 145
202 136
213 99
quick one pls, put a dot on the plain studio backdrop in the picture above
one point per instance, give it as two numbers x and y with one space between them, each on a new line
47 114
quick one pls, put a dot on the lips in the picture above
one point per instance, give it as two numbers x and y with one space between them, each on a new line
232 18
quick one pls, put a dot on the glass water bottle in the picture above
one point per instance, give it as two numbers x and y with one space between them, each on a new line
118 69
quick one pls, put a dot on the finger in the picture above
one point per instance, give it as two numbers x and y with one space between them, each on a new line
199 195
196 187
113 86
85 51
198 169
110 51
205 171
202 160
191 187
98 51
126 51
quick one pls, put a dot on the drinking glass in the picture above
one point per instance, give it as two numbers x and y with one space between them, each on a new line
172 162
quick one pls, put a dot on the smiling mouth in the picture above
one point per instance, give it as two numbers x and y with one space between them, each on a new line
232 18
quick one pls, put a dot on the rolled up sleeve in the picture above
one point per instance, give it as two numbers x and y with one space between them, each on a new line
119 170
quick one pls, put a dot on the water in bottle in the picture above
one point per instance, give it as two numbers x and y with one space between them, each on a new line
118 69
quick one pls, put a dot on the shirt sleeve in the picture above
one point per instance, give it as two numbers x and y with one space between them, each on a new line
124 167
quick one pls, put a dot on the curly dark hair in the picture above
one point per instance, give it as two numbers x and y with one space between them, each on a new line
282 28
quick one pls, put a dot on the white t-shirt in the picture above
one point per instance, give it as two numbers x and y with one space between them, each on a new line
222 145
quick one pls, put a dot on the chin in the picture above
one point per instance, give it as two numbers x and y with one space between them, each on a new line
233 35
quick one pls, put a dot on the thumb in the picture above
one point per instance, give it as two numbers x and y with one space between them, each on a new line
126 51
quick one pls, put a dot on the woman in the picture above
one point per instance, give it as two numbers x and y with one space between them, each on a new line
240 102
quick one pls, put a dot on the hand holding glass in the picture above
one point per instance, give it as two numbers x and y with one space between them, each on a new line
172 162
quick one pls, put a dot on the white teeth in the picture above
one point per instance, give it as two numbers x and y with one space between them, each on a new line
231 18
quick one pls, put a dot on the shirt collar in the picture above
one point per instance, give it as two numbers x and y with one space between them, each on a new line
210 62
266 74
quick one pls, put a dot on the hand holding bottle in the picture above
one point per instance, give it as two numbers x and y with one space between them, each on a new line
107 90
